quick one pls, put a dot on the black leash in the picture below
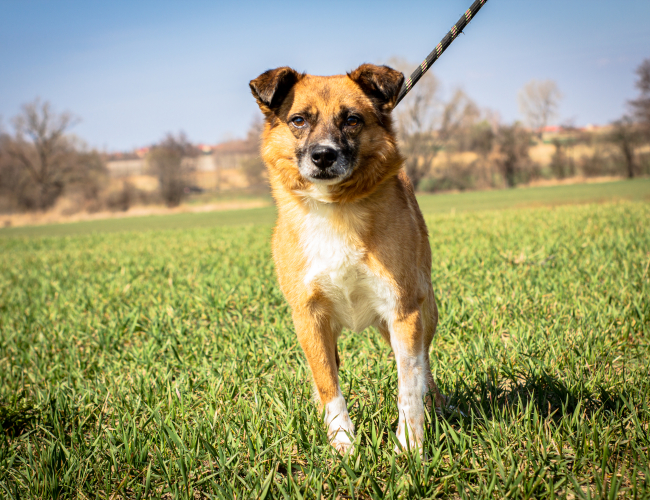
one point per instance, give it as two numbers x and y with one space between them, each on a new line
440 48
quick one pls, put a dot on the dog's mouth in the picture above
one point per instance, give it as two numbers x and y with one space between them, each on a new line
324 176
332 175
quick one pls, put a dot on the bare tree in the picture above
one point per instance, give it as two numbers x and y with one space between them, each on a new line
172 160
9 175
641 105
562 165
254 135
538 102
514 143
88 174
253 166
480 138
625 135
417 117
40 155
459 114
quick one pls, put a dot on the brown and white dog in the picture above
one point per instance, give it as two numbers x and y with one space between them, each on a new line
350 245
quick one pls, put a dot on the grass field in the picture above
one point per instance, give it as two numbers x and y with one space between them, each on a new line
163 363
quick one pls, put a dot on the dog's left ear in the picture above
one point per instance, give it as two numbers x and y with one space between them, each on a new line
272 86
381 83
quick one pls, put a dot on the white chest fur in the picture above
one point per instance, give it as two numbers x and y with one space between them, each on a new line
336 265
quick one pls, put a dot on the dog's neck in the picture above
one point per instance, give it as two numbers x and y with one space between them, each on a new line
350 217
316 193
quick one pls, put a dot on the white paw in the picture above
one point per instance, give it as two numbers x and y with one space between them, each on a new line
412 444
342 443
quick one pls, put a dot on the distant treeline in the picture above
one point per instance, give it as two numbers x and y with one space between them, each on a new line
448 145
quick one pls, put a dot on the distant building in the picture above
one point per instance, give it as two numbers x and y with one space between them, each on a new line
142 152
226 155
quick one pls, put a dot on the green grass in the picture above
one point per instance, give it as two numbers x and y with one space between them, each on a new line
636 190
164 364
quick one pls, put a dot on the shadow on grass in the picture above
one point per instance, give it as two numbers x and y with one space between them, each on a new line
492 394
56 413
16 418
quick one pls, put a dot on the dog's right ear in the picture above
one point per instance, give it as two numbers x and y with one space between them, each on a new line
272 86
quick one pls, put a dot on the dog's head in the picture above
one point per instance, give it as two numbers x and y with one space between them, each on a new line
331 131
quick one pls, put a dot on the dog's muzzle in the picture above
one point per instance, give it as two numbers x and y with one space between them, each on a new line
324 162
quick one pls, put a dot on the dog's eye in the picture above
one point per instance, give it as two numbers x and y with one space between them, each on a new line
298 121
352 121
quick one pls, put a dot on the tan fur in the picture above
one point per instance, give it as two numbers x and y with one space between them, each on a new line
372 215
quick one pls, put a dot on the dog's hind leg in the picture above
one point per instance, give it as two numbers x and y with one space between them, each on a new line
411 333
411 354
318 341
410 336
430 322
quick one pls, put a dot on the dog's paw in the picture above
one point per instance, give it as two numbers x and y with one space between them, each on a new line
414 441
342 443
411 447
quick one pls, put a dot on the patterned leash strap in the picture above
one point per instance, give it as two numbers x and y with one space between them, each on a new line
440 48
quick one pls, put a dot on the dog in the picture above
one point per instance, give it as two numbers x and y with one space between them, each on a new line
350 245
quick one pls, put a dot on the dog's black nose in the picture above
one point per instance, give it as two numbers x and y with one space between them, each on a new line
324 156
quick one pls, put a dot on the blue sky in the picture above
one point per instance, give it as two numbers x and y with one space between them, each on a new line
134 70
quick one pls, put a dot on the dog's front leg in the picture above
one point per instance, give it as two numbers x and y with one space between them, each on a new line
318 341
407 340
